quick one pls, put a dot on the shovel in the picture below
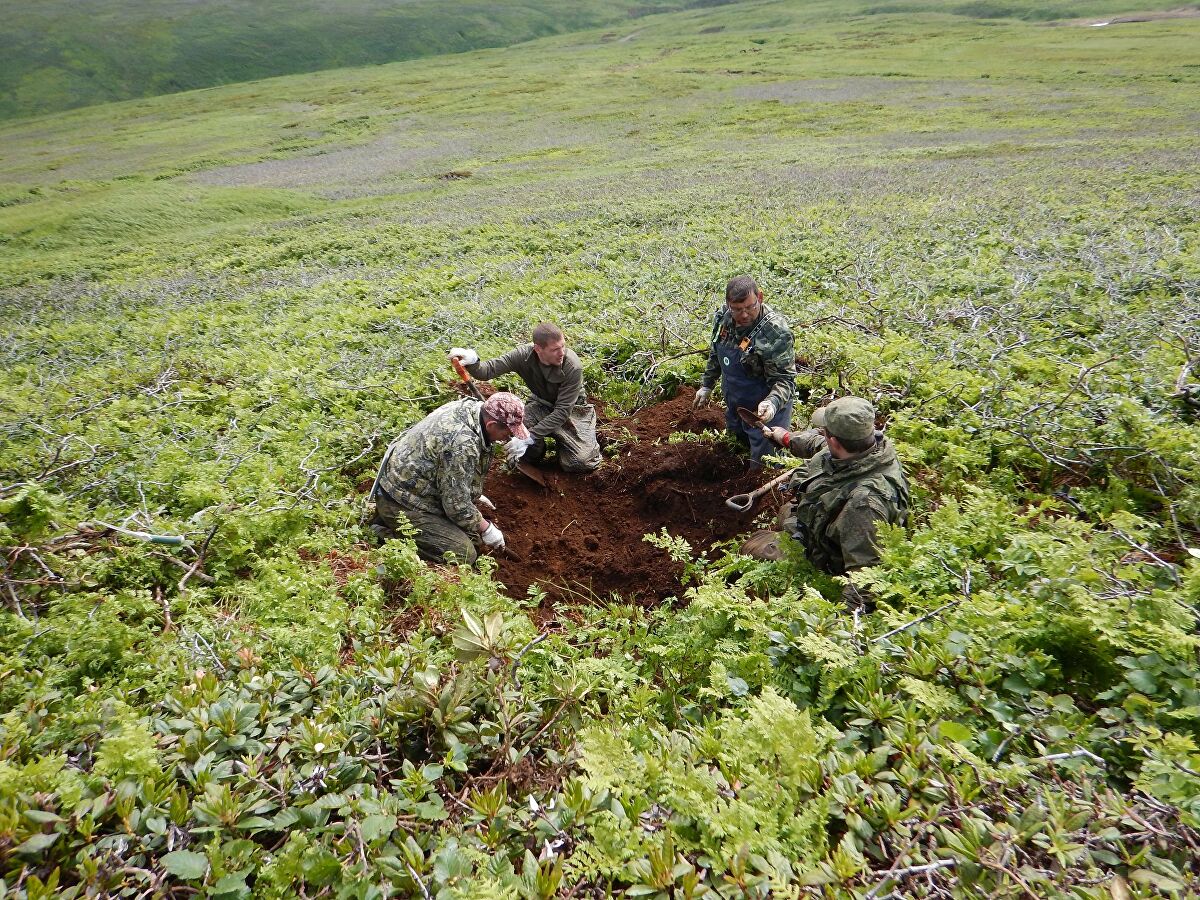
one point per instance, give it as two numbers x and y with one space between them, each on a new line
744 502
753 419
524 468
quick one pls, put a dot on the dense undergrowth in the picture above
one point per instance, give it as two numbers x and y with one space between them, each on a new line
209 336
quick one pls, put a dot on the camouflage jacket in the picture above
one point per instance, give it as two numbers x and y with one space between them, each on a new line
807 443
840 503
438 465
771 354
560 386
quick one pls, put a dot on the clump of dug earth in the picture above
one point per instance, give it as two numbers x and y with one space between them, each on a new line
581 540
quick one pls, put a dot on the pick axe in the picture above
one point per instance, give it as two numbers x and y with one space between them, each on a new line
524 468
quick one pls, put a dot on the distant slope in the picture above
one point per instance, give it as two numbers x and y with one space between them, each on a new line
58 54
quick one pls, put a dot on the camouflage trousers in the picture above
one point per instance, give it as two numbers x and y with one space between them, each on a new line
578 450
436 535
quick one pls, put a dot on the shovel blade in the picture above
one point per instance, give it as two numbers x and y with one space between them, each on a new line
750 418
530 472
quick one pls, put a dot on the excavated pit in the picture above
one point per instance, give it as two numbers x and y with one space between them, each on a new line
581 540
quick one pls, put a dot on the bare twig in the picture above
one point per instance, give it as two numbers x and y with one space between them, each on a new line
1074 754
910 870
517 659
199 558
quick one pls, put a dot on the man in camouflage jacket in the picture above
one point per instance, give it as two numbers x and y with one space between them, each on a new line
432 476
842 494
558 409
751 351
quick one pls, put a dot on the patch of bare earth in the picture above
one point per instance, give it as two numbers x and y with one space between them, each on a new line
1130 18
581 540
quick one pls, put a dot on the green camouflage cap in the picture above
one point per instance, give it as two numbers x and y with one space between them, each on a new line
818 417
850 418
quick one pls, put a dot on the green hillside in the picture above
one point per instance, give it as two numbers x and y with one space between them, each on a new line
58 54
220 306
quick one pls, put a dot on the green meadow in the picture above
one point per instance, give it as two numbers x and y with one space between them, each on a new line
220 305
60 55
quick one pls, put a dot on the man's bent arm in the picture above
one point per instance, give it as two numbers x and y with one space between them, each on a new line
454 489
779 365
501 365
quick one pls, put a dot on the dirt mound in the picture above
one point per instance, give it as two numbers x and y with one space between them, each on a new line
581 540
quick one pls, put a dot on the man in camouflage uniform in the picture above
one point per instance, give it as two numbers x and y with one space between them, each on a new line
432 475
842 494
751 350
559 408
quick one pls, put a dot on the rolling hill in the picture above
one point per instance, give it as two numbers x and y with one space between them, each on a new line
58 55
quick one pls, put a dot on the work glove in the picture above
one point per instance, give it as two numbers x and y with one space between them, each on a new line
466 355
780 436
702 395
516 447
492 536
766 410
486 503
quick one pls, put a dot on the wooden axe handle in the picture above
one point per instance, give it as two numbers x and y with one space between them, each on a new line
467 380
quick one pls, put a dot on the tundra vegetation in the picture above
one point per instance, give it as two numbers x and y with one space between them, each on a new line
219 306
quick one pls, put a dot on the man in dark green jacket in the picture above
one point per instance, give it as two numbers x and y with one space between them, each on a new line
558 408
842 495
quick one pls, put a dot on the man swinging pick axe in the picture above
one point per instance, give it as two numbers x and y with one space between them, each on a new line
558 409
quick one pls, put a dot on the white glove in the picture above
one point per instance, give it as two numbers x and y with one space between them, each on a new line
485 502
493 536
702 395
466 355
766 410
516 447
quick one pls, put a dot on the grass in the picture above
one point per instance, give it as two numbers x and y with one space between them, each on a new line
57 55
219 306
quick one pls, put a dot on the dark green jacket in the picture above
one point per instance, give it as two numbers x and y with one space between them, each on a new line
840 503
439 464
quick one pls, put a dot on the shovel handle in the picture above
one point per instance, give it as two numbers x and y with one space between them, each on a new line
467 380
743 502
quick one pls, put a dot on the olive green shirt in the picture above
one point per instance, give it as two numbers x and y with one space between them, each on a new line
840 504
560 386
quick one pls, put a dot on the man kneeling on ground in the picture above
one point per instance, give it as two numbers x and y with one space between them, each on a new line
559 408
433 474
841 494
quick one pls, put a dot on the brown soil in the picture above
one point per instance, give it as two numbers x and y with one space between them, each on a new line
581 540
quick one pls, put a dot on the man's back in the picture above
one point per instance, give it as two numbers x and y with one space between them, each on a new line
841 502
447 446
